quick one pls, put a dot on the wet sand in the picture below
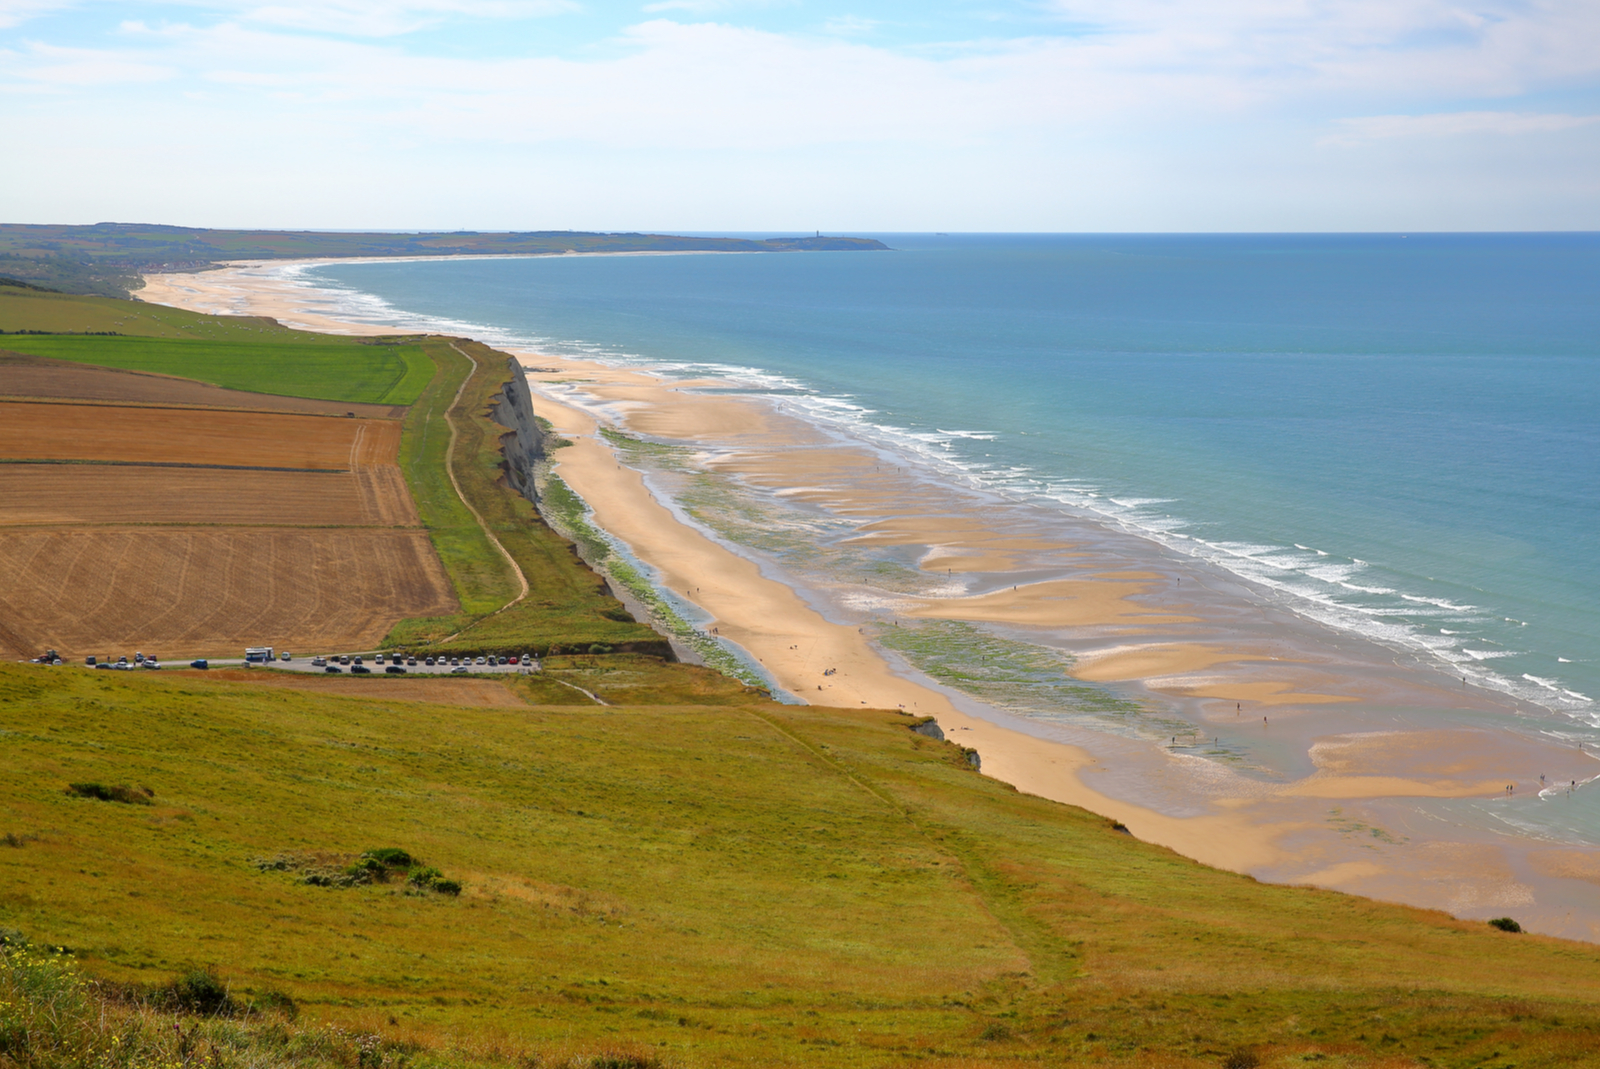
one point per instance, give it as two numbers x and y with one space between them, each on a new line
1330 740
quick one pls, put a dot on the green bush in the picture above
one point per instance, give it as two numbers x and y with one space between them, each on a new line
100 792
273 1001
392 856
424 877
431 879
199 991
1505 924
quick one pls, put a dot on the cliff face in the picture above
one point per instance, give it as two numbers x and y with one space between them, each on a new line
524 444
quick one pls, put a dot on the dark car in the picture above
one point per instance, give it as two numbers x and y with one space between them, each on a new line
395 670
360 670
333 668
201 663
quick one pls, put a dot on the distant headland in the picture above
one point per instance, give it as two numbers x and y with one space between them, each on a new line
110 258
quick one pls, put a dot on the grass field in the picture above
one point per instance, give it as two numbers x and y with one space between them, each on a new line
44 377
235 352
567 604
750 884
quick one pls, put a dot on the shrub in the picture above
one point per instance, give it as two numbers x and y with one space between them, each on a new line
100 792
431 879
391 856
199 991
620 1061
1241 1059
995 1032
272 1001
1505 924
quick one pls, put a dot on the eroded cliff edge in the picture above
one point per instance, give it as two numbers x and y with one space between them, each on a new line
523 445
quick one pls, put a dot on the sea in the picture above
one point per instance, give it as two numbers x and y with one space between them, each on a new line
1395 435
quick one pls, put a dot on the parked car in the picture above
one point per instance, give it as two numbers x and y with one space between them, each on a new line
346 659
89 661
103 664
360 670
333 668
411 661
200 663
285 657
396 670
319 662
459 669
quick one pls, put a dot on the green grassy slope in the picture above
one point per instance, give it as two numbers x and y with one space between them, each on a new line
567 604
236 352
745 885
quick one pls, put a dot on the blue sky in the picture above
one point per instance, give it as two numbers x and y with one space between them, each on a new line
1034 115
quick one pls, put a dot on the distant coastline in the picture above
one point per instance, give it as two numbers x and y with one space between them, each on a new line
110 258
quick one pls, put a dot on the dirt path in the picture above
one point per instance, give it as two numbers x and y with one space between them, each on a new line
450 470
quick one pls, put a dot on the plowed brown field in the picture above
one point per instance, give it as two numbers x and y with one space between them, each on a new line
199 590
39 431
37 376
317 557
89 494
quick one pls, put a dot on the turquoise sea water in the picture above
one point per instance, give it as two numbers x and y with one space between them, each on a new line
1398 435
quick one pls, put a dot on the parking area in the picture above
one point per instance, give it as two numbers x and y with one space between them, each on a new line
323 664
392 664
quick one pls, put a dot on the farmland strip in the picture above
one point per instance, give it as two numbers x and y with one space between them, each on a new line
173 464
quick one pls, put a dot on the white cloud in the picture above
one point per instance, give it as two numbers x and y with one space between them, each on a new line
1133 109
16 12
710 7
1451 124
1356 47
847 25
67 68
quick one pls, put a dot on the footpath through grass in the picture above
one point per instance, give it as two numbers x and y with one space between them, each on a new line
746 885
568 605
240 353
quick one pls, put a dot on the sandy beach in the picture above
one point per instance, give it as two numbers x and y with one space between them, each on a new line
1336 721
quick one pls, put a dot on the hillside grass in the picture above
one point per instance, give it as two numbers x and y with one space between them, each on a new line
750 884
236 352
568 606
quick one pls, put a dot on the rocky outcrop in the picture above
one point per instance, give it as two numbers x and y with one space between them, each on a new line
524 444
929 727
